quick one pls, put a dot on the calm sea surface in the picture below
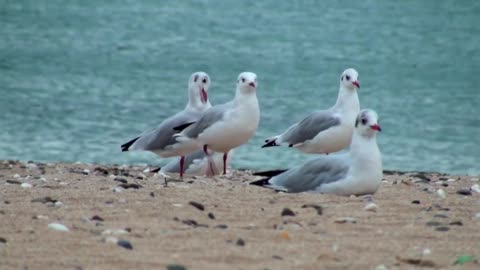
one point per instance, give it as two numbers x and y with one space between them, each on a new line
79 78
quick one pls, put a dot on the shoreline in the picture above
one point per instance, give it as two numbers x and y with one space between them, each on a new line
123 217
45 163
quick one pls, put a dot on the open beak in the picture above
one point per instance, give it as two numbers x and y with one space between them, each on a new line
252 84
376 127
356 83
203 95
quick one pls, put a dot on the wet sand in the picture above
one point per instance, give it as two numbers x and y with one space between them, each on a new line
225 223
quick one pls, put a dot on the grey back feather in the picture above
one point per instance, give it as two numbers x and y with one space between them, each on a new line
309 127
210 117
161 137
314 173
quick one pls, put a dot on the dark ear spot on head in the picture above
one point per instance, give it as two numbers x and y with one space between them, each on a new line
356 122
341 78
195 78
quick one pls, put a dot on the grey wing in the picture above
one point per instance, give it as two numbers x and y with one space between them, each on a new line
311 175
309 127
162 136
174 165
210 117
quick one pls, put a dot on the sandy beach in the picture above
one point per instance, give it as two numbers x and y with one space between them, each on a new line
79 216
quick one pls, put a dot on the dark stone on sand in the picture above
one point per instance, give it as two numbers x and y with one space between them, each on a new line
421 176
6 202
139 177
193 223
240 242
96 218
440 216
125 244
14 182
456 223
211 216
176 267
3 240
131 185
197 205
415 202
152 194
176 219
276 257
44 200
287 212
317 207
190 222
221 226
100 171
464 191
433 223
121 180
442 229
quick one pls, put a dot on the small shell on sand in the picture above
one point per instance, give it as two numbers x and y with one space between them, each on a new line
372 207
441 193
58 227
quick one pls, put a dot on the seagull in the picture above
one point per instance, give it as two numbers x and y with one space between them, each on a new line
160 140
325 131
226 126
196 163
358 172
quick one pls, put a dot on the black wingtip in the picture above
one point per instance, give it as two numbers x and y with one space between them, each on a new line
270 144
156 170
127 145
270 173
262 182
182 127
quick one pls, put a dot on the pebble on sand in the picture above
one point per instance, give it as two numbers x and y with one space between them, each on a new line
343 220
125 244
372 207
464 191
176 267
287 212
58 227
441 193
197 205
240 242
26 185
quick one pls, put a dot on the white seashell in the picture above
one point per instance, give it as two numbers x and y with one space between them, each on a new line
26 185
372 207
58 227
441 193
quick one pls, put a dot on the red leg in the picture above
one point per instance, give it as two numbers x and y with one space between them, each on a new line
225 155
182 162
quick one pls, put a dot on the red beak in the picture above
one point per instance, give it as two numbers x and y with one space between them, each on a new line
356 83
252 84
376 127
203 95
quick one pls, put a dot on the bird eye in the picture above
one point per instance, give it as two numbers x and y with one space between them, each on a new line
364 121
243 80
204 80
347 77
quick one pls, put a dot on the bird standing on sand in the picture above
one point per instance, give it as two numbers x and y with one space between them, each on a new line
325 131
160 140
358 172
226 126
